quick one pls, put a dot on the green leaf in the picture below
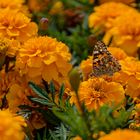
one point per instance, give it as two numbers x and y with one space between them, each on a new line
61 92
39 91
74 120
52 89
42 101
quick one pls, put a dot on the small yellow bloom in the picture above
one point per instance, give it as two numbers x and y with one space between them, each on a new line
125 32
96 92
11 126
15 25
125 134
57 8
101 20
44 58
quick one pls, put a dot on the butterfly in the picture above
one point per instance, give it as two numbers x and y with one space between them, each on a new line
103 61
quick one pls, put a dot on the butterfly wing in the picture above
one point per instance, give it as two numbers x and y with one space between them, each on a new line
103 61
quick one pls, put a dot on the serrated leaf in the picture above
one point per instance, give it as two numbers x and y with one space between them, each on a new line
43 101
73 119
39 91
61 92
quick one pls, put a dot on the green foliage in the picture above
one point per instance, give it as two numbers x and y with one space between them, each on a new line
108 119
60 133
72 122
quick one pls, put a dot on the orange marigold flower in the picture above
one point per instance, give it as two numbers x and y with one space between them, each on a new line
101 20
96 92
130 76
15 25
125 134
6 79
14 4
44 58
123 1
11 126
118 53
125 32
17 95
15 88
11 47
86 67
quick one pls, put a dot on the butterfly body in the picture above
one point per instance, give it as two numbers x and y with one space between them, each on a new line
103 61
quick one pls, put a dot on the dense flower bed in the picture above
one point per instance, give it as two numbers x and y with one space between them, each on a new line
58 80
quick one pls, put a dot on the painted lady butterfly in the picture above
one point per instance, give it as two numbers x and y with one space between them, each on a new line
103 61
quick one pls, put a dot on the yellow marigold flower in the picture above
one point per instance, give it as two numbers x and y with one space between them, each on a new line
125 134
125 32
123 1
44 58
101 20
96 92
11 126
15 25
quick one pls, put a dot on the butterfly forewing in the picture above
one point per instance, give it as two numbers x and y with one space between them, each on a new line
103 61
